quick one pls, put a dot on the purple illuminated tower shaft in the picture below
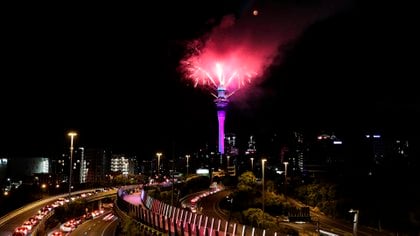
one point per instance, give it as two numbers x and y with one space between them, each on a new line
221 117
221 103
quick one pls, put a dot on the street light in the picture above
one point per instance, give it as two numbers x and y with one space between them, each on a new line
263 189
159 154
285 177
188 159
317 224
355 220
229 199
227 164
71 134
252 164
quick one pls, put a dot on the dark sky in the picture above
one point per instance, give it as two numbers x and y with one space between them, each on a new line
110 72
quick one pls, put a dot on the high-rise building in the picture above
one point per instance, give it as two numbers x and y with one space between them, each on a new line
231 148
251 150
400 148
3 169
82 165
326 155
60 168
297 159
24 167
97 164
376 147
120 163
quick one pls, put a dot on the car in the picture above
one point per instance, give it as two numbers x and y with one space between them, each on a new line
67 227
20 231
57 233
33 220
28 225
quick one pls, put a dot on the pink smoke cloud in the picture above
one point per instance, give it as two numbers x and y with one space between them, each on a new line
238 52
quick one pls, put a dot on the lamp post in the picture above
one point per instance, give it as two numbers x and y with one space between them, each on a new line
285 177
317 224
188 159
159 154
263 189
227 164
252 164
355 220
72 135
173 181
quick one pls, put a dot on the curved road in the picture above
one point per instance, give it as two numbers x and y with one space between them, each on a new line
97 227
211 208
10 221
339 227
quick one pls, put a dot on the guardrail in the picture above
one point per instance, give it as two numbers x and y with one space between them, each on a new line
39 229
170 220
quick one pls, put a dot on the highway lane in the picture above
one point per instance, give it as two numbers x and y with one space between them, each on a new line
97 227
210 205
10 221
340 227
13 219
211 208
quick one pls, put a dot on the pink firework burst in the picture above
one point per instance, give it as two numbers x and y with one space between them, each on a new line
229 71
239 50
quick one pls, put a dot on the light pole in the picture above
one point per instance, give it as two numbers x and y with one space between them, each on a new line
188 159
263 189
159 154
173 181
285 177
252 164
355 220
72 135
317 224
227 164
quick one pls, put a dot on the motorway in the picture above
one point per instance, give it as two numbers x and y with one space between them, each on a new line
10 221
210 207
339 227
97 227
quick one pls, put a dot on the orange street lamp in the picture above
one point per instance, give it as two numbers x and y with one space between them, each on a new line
159 154
72 135
263 188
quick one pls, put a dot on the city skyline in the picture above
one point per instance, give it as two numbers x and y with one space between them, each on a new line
114 79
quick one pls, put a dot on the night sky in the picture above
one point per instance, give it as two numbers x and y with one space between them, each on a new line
110 73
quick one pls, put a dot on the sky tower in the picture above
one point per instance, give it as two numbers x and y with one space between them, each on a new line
224 72
221 104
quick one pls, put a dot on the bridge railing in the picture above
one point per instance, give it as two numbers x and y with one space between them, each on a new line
172 220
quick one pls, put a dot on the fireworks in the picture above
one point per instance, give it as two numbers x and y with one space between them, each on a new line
226 73
225 62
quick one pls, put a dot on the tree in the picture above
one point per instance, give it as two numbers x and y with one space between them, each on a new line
247 182
130 227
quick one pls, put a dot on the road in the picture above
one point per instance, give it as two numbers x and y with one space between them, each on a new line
10 221
13 219
336 226
210 207
97 227
340 227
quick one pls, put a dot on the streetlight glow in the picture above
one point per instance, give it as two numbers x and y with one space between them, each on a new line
355 220
72 135
159 154
263 189
227 157
188 158
252 164
285 178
